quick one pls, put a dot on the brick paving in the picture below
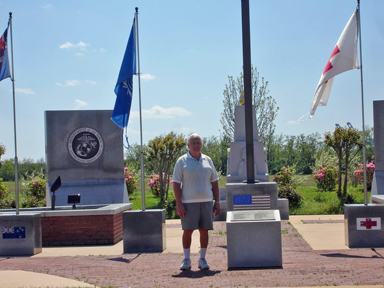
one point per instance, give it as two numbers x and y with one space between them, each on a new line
302 266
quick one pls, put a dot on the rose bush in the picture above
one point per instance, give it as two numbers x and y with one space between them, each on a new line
130 181
370 171
154 184
326 178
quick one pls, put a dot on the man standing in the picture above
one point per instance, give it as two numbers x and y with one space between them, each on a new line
195 185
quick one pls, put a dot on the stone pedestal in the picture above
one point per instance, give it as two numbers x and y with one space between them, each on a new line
85 148
21 234
254 239
144 231
248 196
363 225
283 206
236 165
223 205
378 126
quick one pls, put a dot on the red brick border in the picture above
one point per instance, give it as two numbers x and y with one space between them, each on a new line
82 230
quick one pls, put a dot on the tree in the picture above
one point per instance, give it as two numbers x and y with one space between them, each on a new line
2 151
265 107
346 142
217 149
162 152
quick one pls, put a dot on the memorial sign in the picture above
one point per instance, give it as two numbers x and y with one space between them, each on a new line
85 149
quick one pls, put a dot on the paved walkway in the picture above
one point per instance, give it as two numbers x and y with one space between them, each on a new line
303 265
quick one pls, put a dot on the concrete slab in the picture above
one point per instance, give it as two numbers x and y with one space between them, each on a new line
321 235
18 278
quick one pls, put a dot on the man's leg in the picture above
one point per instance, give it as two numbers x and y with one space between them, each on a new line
187 238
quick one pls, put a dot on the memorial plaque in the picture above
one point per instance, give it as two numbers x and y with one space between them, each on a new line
255 215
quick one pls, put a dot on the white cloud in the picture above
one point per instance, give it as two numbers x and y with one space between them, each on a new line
292 122
24 90
147 77
75 83
47 6
80 104
157 112
69 83
68 45
90 82
79 54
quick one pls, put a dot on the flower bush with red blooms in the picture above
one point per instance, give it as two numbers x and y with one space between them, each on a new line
130 181
370 171
287 185
326 178
154 184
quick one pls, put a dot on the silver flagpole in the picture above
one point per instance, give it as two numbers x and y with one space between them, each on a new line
14 124
362 105
141 121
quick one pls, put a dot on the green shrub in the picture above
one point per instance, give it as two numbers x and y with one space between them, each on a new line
35 194
130 180
326 178
287 182
294 197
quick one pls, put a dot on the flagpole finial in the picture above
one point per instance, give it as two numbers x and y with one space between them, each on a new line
10 14
137 9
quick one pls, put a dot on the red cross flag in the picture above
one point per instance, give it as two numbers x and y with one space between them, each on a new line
368 223
343 58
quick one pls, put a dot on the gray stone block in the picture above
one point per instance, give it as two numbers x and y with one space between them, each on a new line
254 239
223 211
363 225
144 231
85 148
21 234
283 206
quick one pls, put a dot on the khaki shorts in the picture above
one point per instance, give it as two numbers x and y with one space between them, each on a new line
199 216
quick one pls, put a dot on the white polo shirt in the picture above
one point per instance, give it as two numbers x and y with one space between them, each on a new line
195 178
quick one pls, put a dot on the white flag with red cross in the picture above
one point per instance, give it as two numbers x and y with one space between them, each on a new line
369 223
343 58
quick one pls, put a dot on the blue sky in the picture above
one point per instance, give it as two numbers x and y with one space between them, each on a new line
67 55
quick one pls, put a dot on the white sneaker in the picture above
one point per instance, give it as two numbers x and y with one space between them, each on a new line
186 264
203 265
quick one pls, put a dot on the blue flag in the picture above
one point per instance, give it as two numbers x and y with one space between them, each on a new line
124 85
4 65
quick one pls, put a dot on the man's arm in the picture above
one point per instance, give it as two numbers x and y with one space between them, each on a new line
216 195
179 204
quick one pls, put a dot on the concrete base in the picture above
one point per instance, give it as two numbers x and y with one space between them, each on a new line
21 234
254 239
92 192
268 189
223 211
144 231
363 225
377 184
283 206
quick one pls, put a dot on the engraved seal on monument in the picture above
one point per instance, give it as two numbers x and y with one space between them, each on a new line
85 145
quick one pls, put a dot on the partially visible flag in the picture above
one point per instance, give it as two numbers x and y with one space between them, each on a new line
124 85
251 202
4 63
343 58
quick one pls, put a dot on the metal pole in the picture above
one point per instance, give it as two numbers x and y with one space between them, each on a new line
141 121
247 90
14 124
362 106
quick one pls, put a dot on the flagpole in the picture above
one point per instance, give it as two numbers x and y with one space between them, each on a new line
14 123
141 121
362 106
